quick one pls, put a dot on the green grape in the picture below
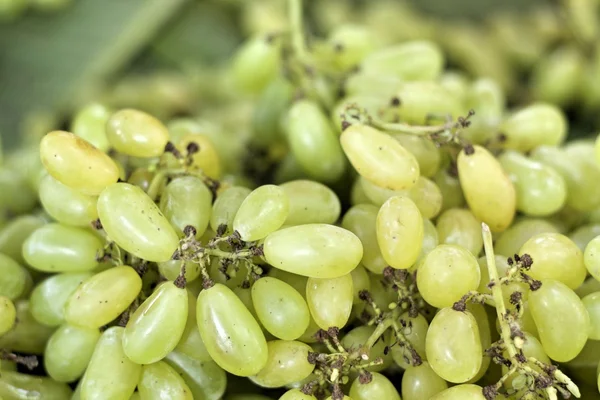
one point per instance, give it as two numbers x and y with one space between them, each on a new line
485 336
296 394
269 108
187 201
135 223
287 362
591 257
356 339
488 99
367 101
309 334
421 382
420 100
206 158
172 268
362 221
555 256
76 163
535 125
592 305
255 64
89 123
380 387
350 44
27 335
314 250
460 227
399 231
430 241
415 331
66 205
409 61
360 281
16 196
110 374
512 239
15 232
590 285
15 280
102 297
8 315
357 193
531 348
452 194
446 274
280 308
561 318
455 82
236 278
583 235
330 300
159 381
156 326
17 386
12 9
142 178
245 295
461 392
379 158
453 346
527 322
311 203
230 333
261 213
540 189
489 192
425 151
136 133
205 379
313 142
226 207
49 297
69 351
502 267
557 77
298 282
59 248
191 343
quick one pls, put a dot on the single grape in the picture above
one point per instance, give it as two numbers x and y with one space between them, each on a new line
136 133
8 315
461 392
15 385
415 331
330 300
380 387
160 381
421 382
459 227
264 211
535 125
89 123
205 379
226 207
15 280
287 363
187 201
311 202
361 220
69 351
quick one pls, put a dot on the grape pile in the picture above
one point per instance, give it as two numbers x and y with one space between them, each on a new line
355 223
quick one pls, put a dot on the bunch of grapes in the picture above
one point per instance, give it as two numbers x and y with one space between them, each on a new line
355 223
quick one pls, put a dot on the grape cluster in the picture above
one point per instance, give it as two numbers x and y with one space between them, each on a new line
359 224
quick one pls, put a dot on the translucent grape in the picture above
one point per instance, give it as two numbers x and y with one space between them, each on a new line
187 201
76 163
453 346
66 205
296 394
261 213
592 257
446 274
136 133
350 44
205 379
15 385
135 223
421 382
89 123
69 351
452 194
512 239
415 332
489 192
557 76
191 343
287 363
14 233
226 206
280 308
535 125
27 335
425 151
160 381
110 374
8 315
358 336
207 158
561 318
592 305
14 278
460 227
430 240
380 387
269 109
103 297
361 220
502 267
531 348
379 158
399 232
172 268
330 300
311 202
461 392
420 100
314 250
255 64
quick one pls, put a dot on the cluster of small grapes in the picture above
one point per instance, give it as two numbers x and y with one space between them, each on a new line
152 270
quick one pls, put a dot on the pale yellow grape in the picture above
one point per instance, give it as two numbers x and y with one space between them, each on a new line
191 343
156 326
296 394
280 308
330 300
261 213
69 351
488 190
8 314
362 221
380 387
110 374
421 382
592 257
446 274
187 201
15 232
298 282
420 100
103 297
314 250
349 44
226 206
357 337
452 194
555 256
425 151
540 189
535 125
527 322
207 158
511 240
345 398
15 280
159 381
287 363
311 202
27 335
49 297
17 386
453 346
255 64
60 248
561 318
379 158
558 76
430 240
136 133
485 336
360 281
230 333
205 379
460 227
76 163
135 223
66 205
583 235
461 392
399 232
89 123
415 331
592 305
